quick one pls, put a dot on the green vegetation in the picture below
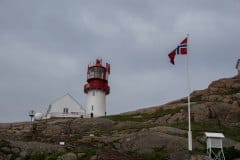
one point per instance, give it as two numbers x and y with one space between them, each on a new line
35 157
196 98
75 137
199 129
193 99
52 156
185 100
4 143
14 156
138 126
231 153
233 91
7 150
158 153
144 117
102 132
89 152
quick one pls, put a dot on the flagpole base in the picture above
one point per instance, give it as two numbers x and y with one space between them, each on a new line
190 141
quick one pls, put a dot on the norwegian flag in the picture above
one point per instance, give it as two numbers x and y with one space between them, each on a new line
181 49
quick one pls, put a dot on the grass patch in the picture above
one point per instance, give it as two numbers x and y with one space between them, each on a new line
89 152
144 117
54 156
35 157
99 133
231 153
196 98
136 127
199 129
137 118
75 137
185 100
51 156
233 91
158 153
4 143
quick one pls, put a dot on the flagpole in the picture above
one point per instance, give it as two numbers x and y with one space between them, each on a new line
189 102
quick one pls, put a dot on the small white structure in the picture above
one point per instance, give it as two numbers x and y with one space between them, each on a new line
238 67
65 106
61 143
38 116
214 145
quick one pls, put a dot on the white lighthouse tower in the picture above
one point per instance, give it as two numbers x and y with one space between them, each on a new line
97 88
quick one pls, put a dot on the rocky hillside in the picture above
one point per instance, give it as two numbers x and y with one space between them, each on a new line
220 102
158 132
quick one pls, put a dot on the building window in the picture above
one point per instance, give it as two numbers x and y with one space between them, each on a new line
93 93
65 110
92 108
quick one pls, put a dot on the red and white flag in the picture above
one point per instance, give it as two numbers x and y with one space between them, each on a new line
181 49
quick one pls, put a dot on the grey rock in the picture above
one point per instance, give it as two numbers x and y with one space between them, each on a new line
28 148
80 155
9 156
229 143
199 157
168 130
23 154
95 157
15 150
68 156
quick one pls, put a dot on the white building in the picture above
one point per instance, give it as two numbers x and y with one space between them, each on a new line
215 145
238 67
65 106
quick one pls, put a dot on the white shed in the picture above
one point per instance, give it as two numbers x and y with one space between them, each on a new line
65 106
238 67
214 145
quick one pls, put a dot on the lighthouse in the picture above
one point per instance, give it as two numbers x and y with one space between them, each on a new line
97 88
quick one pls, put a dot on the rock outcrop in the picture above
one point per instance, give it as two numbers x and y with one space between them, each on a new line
158 132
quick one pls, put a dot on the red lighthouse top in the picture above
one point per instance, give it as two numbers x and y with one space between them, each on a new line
97 77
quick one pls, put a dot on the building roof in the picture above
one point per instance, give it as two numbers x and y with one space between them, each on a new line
214 135
238 63
66 95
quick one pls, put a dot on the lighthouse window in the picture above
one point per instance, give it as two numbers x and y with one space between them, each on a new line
96 72
91 74
93 93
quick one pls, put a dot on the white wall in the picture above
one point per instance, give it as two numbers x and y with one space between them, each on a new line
97 99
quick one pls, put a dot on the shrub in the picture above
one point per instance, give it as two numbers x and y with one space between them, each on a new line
157 154
231 153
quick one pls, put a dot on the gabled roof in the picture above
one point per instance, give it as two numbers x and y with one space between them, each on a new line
68 95
238 63
214 135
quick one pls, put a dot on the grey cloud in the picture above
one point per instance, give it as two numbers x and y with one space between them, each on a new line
45 47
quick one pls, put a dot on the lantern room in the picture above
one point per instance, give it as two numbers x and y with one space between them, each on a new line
97 77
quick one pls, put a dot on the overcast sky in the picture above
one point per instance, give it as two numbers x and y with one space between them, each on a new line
45 47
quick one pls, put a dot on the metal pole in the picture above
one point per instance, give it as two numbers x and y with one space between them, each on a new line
189 102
